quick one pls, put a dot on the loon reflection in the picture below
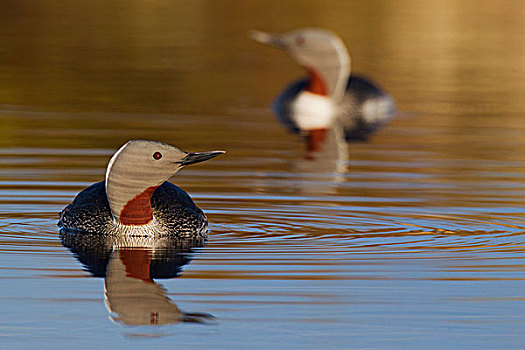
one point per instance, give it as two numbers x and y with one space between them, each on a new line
129 268
330 156
321 171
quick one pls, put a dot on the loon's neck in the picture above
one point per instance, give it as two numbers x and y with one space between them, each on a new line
329 81
316 84
129 189
129 194
138 211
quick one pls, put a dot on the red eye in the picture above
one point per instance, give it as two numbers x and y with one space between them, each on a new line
157 155
300 40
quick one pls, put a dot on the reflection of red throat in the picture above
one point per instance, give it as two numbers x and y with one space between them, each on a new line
137 262
315 139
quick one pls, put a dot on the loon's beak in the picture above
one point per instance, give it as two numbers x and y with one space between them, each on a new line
197 157
270 39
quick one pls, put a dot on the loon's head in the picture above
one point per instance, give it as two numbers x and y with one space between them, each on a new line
136 170
321 52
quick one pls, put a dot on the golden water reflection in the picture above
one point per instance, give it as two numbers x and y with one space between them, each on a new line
176 57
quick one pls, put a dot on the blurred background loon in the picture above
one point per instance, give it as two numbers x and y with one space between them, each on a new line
329 96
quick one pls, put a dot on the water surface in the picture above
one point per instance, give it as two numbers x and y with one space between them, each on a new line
419 243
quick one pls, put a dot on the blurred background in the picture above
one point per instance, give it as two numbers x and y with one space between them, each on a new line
459 59
419 243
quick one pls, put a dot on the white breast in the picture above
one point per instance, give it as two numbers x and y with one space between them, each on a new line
312 111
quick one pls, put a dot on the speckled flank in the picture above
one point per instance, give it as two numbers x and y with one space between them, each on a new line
175 215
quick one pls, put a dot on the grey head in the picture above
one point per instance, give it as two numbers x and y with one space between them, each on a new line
321 52
139 167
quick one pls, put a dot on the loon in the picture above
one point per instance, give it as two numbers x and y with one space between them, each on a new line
135 199
330 96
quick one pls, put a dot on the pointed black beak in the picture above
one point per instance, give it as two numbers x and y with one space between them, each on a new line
197 157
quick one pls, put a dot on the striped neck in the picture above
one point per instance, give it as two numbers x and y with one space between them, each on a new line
129 188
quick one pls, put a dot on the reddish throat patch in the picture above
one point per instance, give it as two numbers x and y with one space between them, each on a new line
316 84
138 210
